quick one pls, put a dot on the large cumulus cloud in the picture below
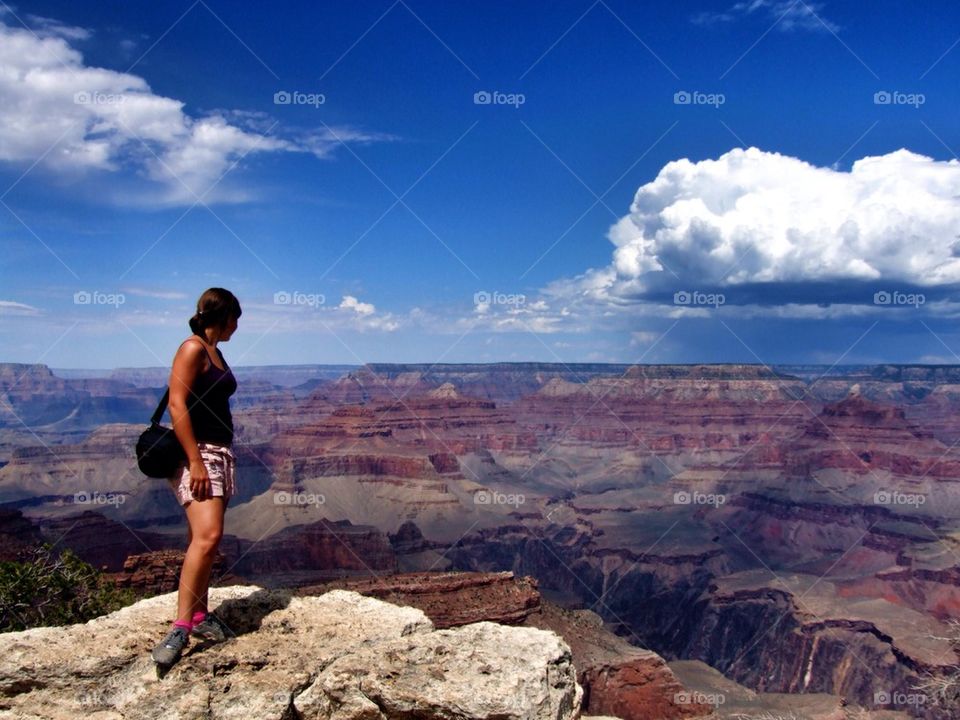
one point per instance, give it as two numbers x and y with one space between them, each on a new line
780 238
755 216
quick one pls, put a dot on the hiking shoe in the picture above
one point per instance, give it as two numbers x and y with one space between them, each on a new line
167 652
212 628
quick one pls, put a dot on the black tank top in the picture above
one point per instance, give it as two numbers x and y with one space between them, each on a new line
209 403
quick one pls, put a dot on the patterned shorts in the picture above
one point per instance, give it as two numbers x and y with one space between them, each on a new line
221 468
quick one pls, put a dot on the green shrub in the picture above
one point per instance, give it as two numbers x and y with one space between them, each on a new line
49 588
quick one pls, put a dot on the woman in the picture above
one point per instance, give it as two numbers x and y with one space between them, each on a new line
201 384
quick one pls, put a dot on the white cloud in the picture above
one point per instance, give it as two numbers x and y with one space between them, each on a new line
349 302
76 118
9 307
755 216
779 237
497 313
48 26
158 294
363 316
788 15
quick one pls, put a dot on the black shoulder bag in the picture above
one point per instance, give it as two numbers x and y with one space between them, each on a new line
159 453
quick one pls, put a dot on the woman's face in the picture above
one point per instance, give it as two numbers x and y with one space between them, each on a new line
228 329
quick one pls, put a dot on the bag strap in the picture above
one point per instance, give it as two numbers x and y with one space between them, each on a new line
161 408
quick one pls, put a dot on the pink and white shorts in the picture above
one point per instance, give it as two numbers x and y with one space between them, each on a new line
221 468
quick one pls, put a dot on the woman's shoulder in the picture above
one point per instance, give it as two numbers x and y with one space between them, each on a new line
191 346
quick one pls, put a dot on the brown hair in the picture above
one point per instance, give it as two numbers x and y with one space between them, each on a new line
214 309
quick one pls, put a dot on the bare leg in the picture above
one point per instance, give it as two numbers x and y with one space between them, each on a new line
203 604
205 518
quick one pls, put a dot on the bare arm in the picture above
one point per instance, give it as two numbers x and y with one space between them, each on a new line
187 364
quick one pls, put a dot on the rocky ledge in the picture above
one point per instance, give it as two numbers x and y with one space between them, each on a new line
339 655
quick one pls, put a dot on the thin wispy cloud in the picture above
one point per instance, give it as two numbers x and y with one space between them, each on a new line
787 14
156 294
10 307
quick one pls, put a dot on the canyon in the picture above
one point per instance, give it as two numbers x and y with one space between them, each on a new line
789 529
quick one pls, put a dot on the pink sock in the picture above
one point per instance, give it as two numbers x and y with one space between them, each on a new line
199 617
188 626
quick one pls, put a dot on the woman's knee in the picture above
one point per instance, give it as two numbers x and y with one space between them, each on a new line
206 548
207 540
206 536
206 525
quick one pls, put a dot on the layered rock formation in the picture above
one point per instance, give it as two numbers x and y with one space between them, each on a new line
314 552
500 382
102 542
449 599
158 572
35 404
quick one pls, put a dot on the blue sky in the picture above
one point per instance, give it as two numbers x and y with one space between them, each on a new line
764 181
